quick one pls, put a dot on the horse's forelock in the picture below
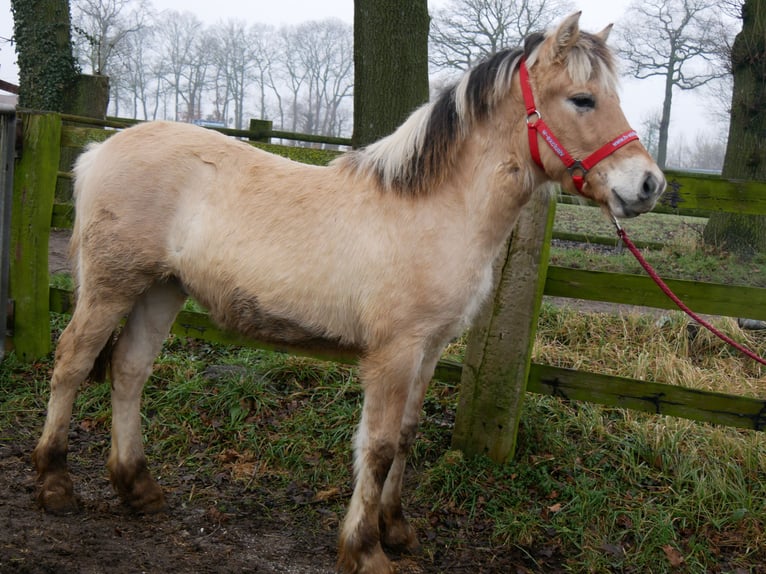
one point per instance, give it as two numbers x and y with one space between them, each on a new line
589 59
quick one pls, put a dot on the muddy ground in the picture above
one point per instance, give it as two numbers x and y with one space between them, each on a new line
211 526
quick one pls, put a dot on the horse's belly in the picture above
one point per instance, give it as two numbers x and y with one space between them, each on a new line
241 312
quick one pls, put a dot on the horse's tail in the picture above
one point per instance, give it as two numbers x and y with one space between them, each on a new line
103 363
82 168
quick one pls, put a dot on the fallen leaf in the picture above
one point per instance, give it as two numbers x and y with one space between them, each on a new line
613 549
674 556
328 494
216 515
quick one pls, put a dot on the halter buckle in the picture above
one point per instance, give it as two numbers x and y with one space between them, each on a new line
577 166
537 115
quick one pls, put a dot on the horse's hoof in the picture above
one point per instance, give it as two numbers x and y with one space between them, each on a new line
58 498
145 497
374 562
137 489
148 506
401 541
398 535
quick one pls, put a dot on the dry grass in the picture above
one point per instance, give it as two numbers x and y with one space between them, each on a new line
667 348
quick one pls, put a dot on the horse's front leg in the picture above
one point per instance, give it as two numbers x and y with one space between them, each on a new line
387 376
396 533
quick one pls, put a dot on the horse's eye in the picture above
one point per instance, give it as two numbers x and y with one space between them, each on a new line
583 101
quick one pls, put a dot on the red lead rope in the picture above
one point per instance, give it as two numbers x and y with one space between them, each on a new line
681 305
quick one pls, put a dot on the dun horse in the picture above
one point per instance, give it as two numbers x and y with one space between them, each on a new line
387 251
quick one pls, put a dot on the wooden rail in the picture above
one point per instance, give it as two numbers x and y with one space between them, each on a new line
570 384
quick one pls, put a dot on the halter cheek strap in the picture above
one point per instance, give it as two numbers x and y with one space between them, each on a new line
536 127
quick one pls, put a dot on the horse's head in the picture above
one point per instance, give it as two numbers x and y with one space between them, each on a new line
577 126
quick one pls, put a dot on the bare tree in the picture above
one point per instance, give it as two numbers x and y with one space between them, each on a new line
465 31
102 29
170 65
650 131
732 8
263 40
135 75
318 64
678 41
235 61
702 152
180 35
707 153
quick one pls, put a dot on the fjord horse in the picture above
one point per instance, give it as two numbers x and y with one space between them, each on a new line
388 251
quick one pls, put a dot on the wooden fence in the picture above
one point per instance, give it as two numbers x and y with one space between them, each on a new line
497 369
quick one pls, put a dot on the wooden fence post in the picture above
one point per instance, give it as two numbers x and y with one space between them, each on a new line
499 352
263 129
34 185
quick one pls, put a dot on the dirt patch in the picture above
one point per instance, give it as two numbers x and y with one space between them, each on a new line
106 537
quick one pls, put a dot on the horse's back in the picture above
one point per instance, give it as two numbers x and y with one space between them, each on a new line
129 193
229 222
135 186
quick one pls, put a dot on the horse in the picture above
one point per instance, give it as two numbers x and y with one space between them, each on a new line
387 252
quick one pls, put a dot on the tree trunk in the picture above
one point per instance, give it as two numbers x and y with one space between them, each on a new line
667 103
745 235
390 65
47 68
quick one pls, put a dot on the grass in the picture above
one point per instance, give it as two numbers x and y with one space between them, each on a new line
615 491
651 347
683 257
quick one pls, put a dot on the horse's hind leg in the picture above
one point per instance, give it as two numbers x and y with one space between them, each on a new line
137 347
86 335
396 533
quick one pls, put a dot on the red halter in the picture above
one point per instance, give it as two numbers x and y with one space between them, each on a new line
578 169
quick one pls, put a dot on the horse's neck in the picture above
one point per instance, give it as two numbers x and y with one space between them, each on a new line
496 179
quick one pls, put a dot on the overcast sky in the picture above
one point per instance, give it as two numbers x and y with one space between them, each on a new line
640 99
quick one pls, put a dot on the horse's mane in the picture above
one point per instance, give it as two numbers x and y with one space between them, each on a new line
414 159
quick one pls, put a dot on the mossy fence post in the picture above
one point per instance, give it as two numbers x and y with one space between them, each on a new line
263 129
34 185
499 352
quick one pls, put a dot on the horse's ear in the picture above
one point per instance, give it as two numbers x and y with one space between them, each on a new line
566 34
604 34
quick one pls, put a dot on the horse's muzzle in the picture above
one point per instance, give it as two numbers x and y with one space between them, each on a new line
649 189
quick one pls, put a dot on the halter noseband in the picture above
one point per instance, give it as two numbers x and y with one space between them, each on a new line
578 169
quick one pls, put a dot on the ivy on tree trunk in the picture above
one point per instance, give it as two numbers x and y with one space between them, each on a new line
745 235
390 65
47 68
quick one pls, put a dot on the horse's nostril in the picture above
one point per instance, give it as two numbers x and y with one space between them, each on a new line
651 185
